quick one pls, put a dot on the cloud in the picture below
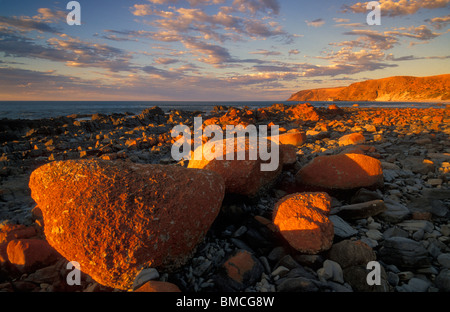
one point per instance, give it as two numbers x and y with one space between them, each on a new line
316 23
72 51
266 52
274 68
27 24
261 78
211 53
20 46
391 57
166 60
372 39
393 8
50 16
420 33
255 6
439 22
161 73
294 52
220 27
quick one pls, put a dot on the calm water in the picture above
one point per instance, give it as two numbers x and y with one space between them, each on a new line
37 110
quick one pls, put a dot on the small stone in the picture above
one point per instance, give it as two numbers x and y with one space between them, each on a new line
331 270
144 276
418 235
444 260
395 211
404 253
435 182
418 285
281 271
29 254
374 234
443 280
341 228
242 269
351 139
415 225
361 210
157 286
445 230
297 284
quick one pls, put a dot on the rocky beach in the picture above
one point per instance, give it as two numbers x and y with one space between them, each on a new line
355 185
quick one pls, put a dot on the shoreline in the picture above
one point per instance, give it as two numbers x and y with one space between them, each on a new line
412 145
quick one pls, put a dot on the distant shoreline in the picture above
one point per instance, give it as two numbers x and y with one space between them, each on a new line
32 110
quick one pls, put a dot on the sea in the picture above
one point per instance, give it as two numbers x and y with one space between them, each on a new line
50 109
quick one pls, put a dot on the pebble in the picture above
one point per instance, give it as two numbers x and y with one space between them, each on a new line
342 228
331 270
444 260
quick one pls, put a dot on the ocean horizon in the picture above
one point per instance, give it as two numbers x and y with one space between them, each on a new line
51 109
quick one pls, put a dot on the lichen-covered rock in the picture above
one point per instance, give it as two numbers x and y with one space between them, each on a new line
114 218
245 177
302 219
343 171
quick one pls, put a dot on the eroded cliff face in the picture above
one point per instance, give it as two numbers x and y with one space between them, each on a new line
399 88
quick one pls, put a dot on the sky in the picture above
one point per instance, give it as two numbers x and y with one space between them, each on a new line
213 50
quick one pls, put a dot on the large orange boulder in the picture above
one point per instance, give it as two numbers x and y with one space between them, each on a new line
302 219
246 176
115 218
343 171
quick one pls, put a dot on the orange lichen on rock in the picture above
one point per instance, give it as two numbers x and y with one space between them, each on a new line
116 217
342 171
302 219
157 286
244 177
351 139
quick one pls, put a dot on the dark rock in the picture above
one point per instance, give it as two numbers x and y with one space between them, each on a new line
356 276
404 253
351 253
297 284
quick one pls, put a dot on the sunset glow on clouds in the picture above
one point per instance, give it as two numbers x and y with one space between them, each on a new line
213 49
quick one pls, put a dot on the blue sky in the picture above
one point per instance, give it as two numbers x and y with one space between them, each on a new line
213 49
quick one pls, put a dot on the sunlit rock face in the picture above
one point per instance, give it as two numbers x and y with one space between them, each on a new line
343 171
115 218
302 219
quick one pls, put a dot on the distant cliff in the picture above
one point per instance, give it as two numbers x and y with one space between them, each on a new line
399 88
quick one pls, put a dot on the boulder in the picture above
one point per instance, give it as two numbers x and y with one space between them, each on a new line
343 171
302 219
351 253
116 218
244 177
